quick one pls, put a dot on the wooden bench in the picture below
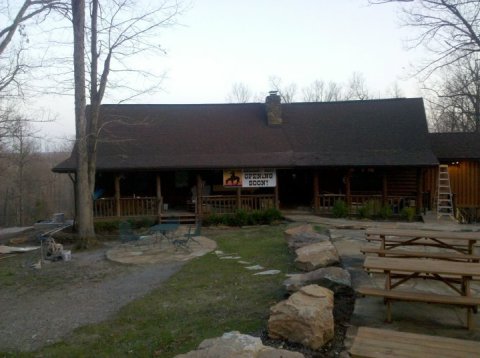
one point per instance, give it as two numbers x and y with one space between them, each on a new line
414 296
450 256
375 342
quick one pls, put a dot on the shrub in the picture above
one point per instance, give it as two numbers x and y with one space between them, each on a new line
370 208
271 215
106 227
408 213
242 217
340 209
111 226
386 212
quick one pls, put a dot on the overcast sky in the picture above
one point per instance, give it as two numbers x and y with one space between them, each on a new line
220 42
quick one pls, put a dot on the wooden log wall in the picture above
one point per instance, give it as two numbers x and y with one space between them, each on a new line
464 181
402 182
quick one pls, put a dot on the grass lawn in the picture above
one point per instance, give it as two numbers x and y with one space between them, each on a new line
206 298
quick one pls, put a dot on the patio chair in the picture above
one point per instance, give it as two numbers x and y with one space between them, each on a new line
126 232
184 240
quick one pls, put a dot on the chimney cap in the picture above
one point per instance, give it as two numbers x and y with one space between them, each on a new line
273 93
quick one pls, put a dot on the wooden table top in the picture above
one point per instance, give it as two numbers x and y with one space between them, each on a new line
454 235
422 265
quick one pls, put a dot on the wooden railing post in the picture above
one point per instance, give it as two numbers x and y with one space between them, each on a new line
348 191
198 206
239 198
117 196
419 203
384 189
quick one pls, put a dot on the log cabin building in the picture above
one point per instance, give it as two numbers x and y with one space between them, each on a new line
190 160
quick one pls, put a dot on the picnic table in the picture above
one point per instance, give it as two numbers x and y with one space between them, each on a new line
457 275
459 241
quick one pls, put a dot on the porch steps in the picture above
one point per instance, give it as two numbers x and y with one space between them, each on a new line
444 194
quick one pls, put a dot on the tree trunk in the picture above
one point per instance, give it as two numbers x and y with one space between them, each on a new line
84 204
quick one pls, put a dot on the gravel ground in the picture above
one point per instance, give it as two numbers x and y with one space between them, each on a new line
44 306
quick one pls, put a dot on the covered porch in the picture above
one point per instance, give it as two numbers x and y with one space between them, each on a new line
393 187
190 195
185 196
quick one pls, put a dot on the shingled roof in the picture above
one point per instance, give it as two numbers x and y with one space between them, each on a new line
391 132
454 146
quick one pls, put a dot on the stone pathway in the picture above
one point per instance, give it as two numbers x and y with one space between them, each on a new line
223 256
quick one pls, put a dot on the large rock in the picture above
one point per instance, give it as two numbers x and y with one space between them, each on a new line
298 230
304 238
237 345
314 256
333 278
306 317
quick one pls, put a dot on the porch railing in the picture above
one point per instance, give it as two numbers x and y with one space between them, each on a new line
107 207
356 201
225 204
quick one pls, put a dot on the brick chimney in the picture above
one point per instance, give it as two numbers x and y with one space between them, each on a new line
274 109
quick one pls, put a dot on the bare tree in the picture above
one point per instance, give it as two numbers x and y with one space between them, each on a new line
240 93
455 98
118 31
357 88
287 92
15 17
22 149
84 203
319 91
449 29
394 91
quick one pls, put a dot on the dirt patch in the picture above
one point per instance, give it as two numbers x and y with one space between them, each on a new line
43 306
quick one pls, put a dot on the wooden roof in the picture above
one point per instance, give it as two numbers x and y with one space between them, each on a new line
391 132
452 146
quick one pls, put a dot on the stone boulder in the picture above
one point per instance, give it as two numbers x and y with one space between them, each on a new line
304 238
336 279
306 317
314 256
237 345
298 230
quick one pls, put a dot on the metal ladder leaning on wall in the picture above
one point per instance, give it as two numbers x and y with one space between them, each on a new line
444 193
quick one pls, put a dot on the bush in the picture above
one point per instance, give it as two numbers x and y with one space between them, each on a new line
386 212
370 208
408 213
340 209
242 217
106 227
111 226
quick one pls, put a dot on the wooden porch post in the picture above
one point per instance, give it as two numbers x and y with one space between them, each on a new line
316 190
117 195
159 196
384 189
239 198
277 201
419 203
348 189
199 196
